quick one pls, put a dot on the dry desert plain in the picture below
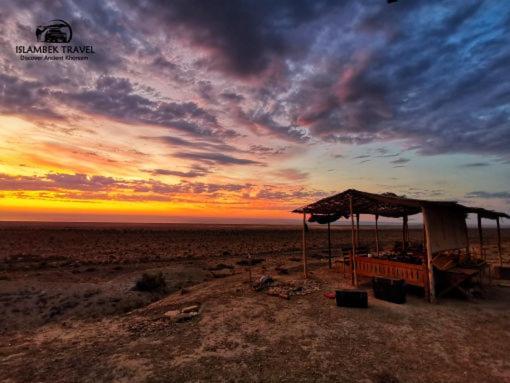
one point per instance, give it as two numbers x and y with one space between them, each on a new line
69 311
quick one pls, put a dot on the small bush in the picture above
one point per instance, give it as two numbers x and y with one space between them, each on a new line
151 282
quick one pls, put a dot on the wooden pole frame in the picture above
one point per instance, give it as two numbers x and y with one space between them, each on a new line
500 253
354 278
407 230
468 251
404 232
480 236
377 234
329 244
427 284
305 266
357 230
429 265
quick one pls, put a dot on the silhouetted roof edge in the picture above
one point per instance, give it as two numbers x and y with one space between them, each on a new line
386 205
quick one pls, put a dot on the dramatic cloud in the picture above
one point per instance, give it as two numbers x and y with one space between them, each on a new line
476 165
266 150
84 187
419 71
215 158
291 174
243 37
262 123
54 181
213 144
72 183
196 171
400 161
116 98
272 193
436 82
23 97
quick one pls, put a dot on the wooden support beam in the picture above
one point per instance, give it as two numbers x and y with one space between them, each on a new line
480 236
404 232
500 254
468 251
354 279
329 244
407 230
343 261
305 270
428 263
424 237
427 284
377 234
357 230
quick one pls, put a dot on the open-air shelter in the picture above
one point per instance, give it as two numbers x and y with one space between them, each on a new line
444 224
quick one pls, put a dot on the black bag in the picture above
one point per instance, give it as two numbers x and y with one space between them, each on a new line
352 298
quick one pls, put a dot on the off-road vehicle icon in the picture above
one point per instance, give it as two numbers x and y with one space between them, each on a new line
55 31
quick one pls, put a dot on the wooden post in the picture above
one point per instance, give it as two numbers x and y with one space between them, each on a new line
305 270
430 266
343 261
467 244
425 265
357 230
354 279
329 243
480 236
407 230
376 234
499 243
404 232
424 236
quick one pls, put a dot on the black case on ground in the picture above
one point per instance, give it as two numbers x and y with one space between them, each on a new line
388 289
352 298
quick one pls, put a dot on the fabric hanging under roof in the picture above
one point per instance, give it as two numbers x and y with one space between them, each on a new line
324 218
446 228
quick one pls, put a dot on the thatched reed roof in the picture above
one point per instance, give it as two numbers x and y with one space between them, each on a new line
484 213
385 205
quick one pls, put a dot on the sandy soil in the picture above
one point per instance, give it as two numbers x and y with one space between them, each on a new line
68 311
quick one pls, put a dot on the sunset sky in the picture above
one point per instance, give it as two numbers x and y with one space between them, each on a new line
244 110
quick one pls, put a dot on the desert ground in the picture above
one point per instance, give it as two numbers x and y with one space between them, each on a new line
69 310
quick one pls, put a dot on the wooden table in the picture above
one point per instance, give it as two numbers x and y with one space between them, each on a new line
459 275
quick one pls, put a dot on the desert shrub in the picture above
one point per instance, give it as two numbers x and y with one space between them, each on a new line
151 282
